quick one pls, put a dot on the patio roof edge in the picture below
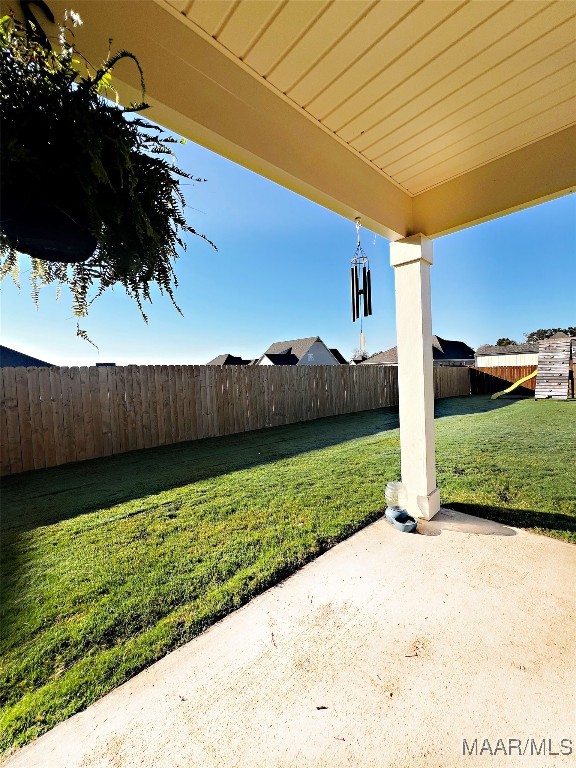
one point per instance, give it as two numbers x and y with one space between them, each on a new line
536 173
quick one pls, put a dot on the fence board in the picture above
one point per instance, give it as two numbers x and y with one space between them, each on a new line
105 411
137 400
121 387
171 404
228 414
190 378
513 373
161 404
489 380
56 415
218 400
24 422
86 412
4 450
94 386
201 394
47 420
10 403
145 405
77 414
153 396
130 423
36 420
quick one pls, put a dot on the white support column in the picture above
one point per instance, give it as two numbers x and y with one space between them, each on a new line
411 259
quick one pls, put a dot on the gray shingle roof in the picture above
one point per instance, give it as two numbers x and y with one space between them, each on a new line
442 349
390 357
228 360
297 347
511 349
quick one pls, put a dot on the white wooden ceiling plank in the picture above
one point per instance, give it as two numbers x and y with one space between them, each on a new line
210 14
474 79
245 24
367 107
381 18
364 130
529 82
339 18
287 25
491 122
507 125
538 127
399 43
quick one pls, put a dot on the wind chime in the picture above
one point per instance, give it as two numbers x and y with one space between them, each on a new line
360 276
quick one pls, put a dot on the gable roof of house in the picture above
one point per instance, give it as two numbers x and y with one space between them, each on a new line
228 359
510 349
11 358
389 356
442 349
297 347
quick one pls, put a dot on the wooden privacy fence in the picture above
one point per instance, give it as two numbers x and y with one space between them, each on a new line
51 416
488 381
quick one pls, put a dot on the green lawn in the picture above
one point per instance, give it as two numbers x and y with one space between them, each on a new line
109 564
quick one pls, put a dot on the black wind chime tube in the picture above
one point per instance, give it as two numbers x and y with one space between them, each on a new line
368 294
360 260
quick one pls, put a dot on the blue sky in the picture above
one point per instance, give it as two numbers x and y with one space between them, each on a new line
282 271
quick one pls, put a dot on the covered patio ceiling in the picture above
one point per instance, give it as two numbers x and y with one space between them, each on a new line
420 116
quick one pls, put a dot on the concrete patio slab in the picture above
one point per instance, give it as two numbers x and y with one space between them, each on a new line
387 651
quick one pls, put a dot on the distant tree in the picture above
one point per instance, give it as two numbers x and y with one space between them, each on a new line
357 352
505 342
546 333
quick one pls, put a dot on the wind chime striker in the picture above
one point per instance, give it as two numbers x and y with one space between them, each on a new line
361 285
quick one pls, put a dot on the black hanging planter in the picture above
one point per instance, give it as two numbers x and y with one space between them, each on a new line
44 231
82 181
55 230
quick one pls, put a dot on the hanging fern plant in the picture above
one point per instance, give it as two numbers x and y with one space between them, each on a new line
89 190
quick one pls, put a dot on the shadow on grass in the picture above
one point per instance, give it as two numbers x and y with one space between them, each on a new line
544 522
463 406
47 496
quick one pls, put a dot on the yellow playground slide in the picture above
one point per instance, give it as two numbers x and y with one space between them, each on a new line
516 384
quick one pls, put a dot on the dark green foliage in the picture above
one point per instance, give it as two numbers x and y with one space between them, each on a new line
546 333
505 342
69 155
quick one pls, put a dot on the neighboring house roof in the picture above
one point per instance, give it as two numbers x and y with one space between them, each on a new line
390 357
228 360
292 351
442 349
11 358
297 347
339 357
510 349
445 349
